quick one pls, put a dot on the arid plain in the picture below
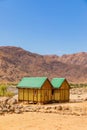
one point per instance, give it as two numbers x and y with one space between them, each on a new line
73 116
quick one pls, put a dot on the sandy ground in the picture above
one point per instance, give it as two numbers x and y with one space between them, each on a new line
47 121
44 121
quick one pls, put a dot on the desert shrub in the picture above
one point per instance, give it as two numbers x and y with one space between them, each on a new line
9 94
12 84
4 92
3 89
78 85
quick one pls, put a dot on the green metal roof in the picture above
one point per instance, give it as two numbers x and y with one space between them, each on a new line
32 82
57 82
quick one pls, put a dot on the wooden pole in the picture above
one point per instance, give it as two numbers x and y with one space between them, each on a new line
23 94
28 95
33 95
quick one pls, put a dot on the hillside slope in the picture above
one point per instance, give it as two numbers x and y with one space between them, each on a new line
16 63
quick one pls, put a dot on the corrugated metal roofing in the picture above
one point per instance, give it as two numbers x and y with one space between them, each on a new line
32 82
57 82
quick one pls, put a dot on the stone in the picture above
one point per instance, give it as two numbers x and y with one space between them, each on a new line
1 113
26 109
85 99
17 111
59 108
12 101
12 108
5 109
66 108
4 100
7 106
0 108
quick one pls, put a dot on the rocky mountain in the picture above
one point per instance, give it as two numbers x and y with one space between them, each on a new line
16 63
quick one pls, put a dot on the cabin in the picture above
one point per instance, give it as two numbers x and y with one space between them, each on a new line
61 91
35 90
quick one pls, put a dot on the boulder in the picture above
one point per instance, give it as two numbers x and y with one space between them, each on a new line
12 108
4 100
12 101
5 109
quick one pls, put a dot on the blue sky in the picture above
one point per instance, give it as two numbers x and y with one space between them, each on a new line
44 26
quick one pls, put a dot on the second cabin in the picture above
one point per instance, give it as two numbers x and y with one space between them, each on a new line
61 91
35 89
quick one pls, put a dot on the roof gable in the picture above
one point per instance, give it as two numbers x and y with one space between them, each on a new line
57 82
32 82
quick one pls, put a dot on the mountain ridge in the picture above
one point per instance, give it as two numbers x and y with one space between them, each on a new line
16 63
